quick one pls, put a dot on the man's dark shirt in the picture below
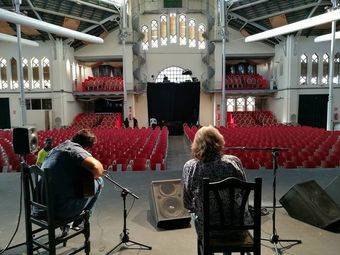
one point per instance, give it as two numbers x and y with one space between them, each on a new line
64 163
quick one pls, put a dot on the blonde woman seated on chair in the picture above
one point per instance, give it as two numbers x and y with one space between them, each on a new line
208 162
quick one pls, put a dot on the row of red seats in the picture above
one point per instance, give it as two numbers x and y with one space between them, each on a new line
103 83
246 81
91 120
251 119
307 147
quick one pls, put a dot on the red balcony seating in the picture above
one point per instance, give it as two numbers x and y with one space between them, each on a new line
307 147
246 81
104 83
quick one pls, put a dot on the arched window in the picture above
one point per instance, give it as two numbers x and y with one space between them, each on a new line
25 71
251 69
240 104
304 64
230 104
191 33
46 73
251 104
36 73
315 69
325 65
241 69
182 30
163 30
3 74
14 73
173 30
336 68
174 74
145 40
201 39
154 34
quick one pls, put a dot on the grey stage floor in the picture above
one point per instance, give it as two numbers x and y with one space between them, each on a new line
106 221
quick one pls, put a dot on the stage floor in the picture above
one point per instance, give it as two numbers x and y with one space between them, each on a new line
106 223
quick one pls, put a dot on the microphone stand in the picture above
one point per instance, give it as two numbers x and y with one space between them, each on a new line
274 239
124 236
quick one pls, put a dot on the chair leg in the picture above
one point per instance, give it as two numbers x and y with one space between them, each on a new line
51 241
87 233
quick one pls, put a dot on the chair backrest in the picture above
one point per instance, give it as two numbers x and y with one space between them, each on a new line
38 193
230 198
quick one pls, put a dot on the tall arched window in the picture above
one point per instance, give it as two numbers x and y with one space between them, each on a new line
174 74
240 104
74 71
230 104
14 74
192 33
336 68
201 39
304 64
315 69
172 27
36 73
154 34
251 104
46 73
25 71
182 30
325 65
163 30
3 74
145 40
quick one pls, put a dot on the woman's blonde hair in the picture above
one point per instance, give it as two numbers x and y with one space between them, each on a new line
208 144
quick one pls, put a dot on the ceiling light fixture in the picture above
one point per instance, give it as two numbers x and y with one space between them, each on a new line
14 39
47 27
293 27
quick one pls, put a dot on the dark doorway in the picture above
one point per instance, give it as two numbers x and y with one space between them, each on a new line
5 119
174 103
108 105
313 110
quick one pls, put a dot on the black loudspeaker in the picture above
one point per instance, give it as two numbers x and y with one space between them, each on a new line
166 205
333 190
25 140
309 203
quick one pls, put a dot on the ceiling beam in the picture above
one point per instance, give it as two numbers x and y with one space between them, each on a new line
56 13
254 24
86 30
298 8
310 15
39 17
94 6
248 5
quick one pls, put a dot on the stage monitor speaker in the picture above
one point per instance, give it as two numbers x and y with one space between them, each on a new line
333 190
166 204
25 140
309 203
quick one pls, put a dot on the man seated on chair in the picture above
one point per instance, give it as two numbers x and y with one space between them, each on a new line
209 162
69 163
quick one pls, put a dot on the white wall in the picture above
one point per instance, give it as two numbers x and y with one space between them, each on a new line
61 57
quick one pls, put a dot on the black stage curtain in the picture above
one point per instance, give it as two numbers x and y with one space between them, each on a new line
174 103
313 110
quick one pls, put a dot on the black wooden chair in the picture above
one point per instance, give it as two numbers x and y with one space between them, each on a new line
45 220
231 233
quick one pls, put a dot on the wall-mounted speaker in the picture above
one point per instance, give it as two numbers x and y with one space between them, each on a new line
166 204
309 203
25 140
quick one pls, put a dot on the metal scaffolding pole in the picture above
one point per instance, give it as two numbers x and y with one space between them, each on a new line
223 34
330 125
21 72
124 37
